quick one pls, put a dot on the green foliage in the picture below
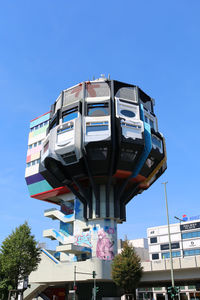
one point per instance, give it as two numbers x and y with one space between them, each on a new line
126 269
19 256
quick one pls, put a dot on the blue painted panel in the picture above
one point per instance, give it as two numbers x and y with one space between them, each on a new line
39 187
142 112
40 120
146 151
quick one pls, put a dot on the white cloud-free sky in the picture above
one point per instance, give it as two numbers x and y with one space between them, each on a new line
47 46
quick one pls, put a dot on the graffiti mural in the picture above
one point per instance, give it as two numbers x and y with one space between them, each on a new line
105 244
83 240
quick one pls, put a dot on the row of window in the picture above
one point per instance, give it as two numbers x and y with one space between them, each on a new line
39 125
189 235
176 254
34 145
95 110
32 163
191 252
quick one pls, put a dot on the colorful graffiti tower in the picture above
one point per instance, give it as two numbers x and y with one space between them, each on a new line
97 148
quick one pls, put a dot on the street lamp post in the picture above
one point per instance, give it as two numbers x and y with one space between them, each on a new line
169 236
74 283
181 220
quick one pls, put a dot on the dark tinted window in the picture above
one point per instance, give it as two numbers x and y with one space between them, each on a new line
166 246
155 256
153 240
98 153
128 154
127 113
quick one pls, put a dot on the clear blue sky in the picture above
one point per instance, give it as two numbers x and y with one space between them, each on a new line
48 45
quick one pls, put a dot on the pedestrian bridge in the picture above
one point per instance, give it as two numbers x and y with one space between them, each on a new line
186 270
155 273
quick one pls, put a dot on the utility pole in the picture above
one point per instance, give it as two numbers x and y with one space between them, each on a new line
74 282
169 236
94 289
181 220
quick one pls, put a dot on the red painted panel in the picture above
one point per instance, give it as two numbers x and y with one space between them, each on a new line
51 193
40 116
122 174
28 158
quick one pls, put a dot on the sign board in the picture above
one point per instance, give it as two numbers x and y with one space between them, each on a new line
190 226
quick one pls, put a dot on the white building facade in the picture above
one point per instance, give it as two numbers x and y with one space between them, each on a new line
185 240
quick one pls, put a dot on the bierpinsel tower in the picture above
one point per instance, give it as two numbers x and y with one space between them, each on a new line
97 148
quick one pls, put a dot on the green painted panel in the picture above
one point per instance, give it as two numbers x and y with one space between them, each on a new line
39 187
40 130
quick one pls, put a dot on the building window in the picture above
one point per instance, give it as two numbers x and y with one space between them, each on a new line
127 113
153 240
96 126
191 252
157 142
39 126
34 145
69 115
32 163
155 256
97 109
190 235
149 121
166 246
174 254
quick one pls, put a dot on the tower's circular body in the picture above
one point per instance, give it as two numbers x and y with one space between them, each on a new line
103 132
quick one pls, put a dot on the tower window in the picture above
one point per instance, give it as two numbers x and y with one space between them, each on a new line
97 109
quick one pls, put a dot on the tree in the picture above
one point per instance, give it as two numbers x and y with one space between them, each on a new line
127 270
19 256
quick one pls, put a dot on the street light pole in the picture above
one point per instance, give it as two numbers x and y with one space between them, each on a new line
181 220
74 282
169 236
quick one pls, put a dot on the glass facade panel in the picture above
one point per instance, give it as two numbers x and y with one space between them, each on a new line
191 252
174 254
189 235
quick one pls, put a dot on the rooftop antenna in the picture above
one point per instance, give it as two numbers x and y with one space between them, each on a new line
108 76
